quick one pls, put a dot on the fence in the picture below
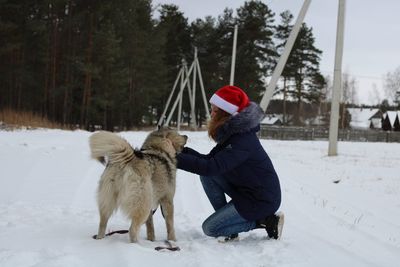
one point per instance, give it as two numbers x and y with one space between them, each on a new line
317 133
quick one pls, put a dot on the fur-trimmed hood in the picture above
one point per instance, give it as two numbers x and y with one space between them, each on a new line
245 121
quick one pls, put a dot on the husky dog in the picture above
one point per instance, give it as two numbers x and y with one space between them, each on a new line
137 181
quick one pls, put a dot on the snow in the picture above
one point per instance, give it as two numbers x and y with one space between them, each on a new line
340 211
271 120
360 117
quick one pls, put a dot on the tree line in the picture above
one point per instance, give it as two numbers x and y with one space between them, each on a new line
114 63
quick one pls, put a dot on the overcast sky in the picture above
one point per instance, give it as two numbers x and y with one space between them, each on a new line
372 34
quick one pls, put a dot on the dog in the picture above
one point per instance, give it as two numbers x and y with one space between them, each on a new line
137 181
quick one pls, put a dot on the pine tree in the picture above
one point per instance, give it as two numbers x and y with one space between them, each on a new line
138 70
204 34
223 49
282 34
256 54
305 57
21 29
315 84
176 41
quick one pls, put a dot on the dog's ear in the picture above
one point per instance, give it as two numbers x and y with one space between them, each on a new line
161 131
168 146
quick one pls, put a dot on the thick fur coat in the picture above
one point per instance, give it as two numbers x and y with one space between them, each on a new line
137 181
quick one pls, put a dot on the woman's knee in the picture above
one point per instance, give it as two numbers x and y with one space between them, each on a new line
209 228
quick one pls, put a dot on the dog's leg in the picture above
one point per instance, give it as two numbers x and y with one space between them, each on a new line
167 207
107 203
150 227
103 224
139 217
137 221
133 232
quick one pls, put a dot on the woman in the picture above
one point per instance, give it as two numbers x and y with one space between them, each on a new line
237 166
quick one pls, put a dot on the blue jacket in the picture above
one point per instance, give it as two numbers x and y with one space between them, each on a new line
243 162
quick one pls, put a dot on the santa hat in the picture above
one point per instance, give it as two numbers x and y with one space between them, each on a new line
230 98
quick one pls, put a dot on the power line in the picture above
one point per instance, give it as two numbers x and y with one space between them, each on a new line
356 75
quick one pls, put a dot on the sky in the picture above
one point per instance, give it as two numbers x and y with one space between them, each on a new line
371 42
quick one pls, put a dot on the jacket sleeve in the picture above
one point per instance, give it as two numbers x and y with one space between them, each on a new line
222 162
190 151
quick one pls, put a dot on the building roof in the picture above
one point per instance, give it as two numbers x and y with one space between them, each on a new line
360 117
392 116
271 120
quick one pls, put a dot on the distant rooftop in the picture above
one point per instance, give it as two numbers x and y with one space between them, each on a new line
360 117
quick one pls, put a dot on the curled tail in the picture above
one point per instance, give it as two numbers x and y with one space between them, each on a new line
111 146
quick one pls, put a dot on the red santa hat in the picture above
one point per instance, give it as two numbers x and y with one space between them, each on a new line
230 98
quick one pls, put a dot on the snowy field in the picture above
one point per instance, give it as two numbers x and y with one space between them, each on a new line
340 211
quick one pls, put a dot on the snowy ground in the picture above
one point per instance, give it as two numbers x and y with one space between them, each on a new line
340 211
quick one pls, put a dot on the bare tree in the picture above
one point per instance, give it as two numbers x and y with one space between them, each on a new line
328 88
374 95
392 84
397 98
350 86
349 93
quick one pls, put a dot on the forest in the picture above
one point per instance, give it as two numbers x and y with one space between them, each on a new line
113 64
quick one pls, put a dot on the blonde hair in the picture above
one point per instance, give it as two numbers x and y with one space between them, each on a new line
217 121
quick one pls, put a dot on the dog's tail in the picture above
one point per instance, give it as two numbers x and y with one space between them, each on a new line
111 146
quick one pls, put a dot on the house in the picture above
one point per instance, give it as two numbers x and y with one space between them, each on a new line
365 118
391 121
319 120
376 120
272 119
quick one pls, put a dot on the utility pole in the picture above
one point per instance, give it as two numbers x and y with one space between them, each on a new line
337 81
282 60
232 80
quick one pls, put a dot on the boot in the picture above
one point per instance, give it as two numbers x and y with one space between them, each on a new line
224 239
273 224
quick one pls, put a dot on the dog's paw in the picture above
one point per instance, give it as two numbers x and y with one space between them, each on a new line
97 237
171 237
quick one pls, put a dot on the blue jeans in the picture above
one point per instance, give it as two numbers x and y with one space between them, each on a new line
225 221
